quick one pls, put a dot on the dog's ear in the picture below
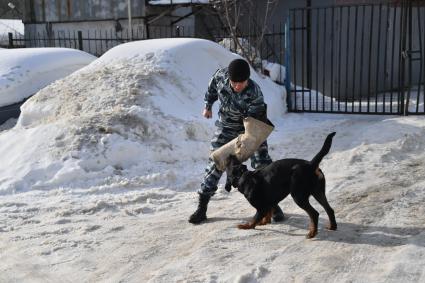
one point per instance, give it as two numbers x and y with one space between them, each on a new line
247 183
230 161
229 165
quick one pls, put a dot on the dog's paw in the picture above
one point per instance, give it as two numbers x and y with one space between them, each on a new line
228 187
311 234
246 226
331 227
266 220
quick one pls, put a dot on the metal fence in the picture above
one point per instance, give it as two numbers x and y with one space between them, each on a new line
358 59
268 46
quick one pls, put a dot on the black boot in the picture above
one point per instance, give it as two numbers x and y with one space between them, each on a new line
277 214
201 212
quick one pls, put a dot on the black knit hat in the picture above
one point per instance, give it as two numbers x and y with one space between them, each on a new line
239 70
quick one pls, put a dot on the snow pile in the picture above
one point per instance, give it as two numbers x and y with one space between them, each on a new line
25 71
275 71
136 109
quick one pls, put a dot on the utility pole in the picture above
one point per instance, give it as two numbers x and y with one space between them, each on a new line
129 20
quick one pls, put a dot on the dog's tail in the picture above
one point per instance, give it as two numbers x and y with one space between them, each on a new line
325 149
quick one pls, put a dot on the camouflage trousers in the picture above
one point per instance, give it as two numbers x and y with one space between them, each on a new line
212 175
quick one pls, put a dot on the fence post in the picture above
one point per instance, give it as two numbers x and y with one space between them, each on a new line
403 56
409 53
10 40
309 54
80 40
288 59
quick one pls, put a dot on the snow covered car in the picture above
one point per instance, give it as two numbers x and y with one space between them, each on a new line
25 71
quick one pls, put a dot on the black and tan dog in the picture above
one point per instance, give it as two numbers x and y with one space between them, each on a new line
266 187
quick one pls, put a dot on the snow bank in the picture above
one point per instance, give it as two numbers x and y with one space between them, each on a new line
134 110
276 72
25 71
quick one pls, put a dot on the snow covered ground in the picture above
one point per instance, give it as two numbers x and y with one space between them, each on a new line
99 176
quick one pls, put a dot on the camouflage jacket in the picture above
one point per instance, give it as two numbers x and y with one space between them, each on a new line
234 106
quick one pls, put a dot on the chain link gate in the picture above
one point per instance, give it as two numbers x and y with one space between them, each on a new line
361 59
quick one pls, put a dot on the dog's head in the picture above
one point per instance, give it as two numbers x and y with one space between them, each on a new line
247 183
234 171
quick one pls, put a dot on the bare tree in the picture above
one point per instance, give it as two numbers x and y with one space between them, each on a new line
233 12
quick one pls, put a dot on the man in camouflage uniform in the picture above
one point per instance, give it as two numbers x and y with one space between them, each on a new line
239 97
